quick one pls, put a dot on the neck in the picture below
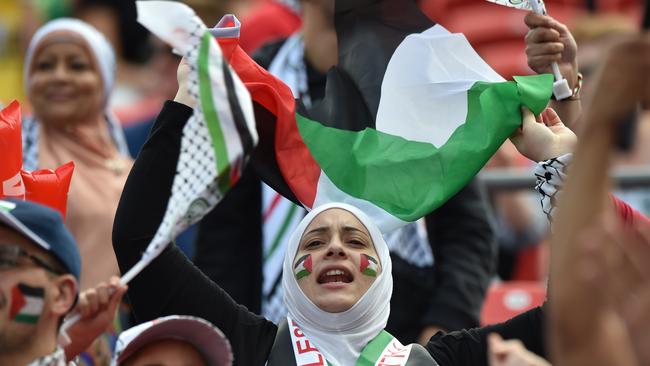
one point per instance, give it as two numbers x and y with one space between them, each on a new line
92 132
320 37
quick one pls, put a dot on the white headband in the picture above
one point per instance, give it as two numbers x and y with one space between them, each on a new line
97 43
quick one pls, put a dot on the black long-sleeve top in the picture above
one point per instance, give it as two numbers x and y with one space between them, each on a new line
171 284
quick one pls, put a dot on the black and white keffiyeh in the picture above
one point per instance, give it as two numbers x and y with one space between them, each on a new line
551 175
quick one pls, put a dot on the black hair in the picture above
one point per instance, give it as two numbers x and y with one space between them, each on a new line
134 38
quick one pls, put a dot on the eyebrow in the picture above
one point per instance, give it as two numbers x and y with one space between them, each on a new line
322 229
354 229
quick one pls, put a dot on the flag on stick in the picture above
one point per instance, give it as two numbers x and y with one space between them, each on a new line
220 135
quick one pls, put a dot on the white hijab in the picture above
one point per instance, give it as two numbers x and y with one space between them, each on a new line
340 337
102 52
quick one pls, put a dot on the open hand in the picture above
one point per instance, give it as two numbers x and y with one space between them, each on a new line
543 139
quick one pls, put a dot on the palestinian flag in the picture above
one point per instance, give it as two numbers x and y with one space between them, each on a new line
369 265
219 137
411 114
303 267
26 303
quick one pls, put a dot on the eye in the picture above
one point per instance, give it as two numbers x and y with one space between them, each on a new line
44 66
357 242
79 66
313 243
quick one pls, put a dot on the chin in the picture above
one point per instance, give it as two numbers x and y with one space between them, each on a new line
335 304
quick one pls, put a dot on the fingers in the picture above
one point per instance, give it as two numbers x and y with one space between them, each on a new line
88 302
542 35
496 351
102 297
118 292
535 21
551 118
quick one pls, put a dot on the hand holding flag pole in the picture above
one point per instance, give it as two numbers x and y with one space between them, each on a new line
147 257
561 88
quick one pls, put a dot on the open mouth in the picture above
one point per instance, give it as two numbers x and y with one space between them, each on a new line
338 275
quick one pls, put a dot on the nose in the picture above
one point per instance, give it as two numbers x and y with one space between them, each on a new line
336 249
61 72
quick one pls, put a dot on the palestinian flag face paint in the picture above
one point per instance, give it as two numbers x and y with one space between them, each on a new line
369 265
303 268
26 303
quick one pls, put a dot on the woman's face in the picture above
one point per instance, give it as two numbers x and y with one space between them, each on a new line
64 82
336 261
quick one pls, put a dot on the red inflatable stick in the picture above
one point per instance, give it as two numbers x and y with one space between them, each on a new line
49 187
11 152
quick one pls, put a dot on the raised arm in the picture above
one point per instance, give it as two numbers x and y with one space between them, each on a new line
621 84
171 284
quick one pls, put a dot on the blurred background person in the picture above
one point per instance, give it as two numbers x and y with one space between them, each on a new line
69 73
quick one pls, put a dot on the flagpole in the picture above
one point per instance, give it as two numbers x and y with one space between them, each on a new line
561 88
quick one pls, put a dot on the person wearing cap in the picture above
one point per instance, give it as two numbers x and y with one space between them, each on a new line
39 280
173 340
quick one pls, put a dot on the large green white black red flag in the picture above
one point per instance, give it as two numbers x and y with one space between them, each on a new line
411 114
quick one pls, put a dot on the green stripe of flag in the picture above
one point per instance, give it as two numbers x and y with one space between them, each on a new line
280 234
373 350
210 114
409 179
27 319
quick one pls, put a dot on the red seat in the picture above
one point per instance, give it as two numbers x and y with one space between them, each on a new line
508 299
532 263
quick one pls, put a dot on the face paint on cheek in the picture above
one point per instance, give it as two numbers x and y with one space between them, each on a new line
302 268
369 265
26 303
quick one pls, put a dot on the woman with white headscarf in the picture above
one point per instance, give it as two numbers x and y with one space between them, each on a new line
69 73
337 277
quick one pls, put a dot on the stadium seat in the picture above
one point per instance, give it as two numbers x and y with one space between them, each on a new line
508 299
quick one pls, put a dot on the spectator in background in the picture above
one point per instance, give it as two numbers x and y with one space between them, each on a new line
173 340
69 74
39 281
268 21
134 96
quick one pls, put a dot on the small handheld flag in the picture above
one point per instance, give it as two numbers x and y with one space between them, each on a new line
561 88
